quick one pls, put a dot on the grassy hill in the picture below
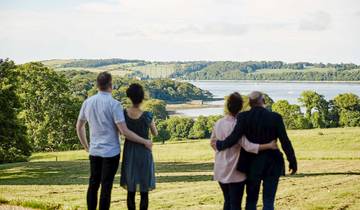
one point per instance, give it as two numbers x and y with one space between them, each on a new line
122 67
328 177
203 70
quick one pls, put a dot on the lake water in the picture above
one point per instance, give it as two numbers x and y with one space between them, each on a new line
289 91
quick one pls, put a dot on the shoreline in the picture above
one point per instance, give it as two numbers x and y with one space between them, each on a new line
174 107
276 81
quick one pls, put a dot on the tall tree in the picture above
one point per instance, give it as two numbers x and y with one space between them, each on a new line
292 115
48 108
317 108
199 129
13 143
348 106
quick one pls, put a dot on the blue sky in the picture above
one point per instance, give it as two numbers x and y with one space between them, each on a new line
288 30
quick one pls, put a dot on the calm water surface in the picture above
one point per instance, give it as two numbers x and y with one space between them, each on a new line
276 90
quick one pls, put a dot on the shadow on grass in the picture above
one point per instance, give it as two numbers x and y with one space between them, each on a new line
349 173
77 172
184 178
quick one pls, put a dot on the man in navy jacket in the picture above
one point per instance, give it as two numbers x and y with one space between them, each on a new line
261 126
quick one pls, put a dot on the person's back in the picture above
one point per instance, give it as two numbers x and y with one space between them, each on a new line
98 110
261 126
102 113
137 166
106 118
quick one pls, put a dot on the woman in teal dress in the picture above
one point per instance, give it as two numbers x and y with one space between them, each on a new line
137 168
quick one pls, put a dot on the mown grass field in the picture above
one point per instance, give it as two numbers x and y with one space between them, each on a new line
328 177
153 70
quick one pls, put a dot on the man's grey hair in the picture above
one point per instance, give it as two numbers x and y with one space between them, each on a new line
256 98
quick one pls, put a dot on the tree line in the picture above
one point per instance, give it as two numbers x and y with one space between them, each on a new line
309 75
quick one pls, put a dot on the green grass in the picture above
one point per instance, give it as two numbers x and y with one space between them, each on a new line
328 177
156 70
153 70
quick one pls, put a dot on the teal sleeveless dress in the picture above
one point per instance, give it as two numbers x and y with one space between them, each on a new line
137 167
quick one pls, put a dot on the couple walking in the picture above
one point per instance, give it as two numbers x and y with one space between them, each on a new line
106 119
247 153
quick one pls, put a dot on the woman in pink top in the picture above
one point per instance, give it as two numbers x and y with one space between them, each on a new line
231 181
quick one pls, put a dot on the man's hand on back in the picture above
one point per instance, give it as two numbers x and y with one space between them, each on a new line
133 136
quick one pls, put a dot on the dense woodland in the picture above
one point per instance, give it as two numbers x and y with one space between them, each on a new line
39 108
278 71
218 70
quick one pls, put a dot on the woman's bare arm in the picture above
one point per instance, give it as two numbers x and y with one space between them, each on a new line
153 128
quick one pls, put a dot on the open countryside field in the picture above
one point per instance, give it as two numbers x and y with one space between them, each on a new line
153 70
328 177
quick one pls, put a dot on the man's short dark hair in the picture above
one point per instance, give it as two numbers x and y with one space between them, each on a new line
104 81
136 93
234 103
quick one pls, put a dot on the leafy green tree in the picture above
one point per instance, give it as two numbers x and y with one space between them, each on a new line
179 127
48 108
317 108
163 131
309 99
349 118
348 106
347 101
13 143
200 129
120 95
291 113
211 120
157 107
333 115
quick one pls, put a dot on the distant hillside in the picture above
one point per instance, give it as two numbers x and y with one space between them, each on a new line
214 70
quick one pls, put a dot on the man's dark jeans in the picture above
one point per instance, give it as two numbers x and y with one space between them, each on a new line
233 193
269 191
102 171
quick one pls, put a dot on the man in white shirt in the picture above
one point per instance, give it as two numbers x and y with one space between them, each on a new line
106 118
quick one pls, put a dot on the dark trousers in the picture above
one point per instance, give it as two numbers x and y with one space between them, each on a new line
102 171
269 191
144 200
233 193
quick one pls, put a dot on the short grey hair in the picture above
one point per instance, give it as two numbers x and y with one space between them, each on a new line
256 98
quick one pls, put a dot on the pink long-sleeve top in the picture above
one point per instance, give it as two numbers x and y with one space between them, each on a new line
226 160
